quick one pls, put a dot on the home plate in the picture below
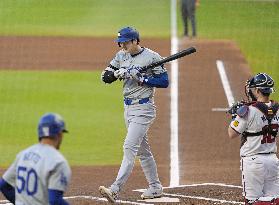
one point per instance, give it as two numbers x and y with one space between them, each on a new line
162 199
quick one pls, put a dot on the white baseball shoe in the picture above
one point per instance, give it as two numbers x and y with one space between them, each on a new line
152 193
108 194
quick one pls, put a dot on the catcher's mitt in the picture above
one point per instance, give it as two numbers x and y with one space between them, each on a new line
235 106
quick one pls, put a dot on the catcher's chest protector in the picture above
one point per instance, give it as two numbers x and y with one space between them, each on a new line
269 112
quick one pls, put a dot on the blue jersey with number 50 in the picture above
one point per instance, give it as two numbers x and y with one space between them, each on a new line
35 170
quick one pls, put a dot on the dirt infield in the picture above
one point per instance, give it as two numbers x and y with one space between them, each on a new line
206 155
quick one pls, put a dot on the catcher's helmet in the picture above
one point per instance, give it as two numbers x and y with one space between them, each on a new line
263 82
50 125
127 34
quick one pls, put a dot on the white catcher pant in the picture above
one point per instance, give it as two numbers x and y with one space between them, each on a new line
260 176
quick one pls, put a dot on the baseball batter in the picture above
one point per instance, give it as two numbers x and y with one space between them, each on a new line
257 122
139 109
40 174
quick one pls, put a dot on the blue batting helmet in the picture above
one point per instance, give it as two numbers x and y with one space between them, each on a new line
127 34
51 124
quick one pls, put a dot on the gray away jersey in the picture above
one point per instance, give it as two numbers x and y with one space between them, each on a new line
131 89
35 170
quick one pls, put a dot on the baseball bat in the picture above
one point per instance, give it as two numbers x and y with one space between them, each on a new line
175 56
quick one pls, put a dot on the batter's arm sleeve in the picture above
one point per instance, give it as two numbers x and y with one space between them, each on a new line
158 81
55 197
7 190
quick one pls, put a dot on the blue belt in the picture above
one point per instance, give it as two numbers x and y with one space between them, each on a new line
128 101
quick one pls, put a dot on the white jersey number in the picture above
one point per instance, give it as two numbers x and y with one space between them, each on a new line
27 180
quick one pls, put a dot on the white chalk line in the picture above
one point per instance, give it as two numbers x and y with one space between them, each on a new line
174 160
206 184
204 198
166 194
225 82
195 185
219 109
91 198
4 202
104 199
200 197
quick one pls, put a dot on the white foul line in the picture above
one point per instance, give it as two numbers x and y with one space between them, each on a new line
174 162
200 197
219 109
88 197
103 199
205 184
204 198
225 82
196 185
3 202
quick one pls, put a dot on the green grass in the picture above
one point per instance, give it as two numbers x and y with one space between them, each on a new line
254 25
90 108
83 17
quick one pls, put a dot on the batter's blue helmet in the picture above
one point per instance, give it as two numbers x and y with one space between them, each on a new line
127 34
51 124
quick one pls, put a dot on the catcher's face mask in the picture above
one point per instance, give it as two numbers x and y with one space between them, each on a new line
261 81
248 91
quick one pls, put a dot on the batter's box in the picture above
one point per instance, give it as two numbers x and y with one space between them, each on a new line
205 194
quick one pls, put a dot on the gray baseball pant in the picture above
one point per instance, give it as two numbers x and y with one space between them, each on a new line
138 119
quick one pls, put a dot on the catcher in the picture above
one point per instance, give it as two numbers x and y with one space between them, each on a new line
257 123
